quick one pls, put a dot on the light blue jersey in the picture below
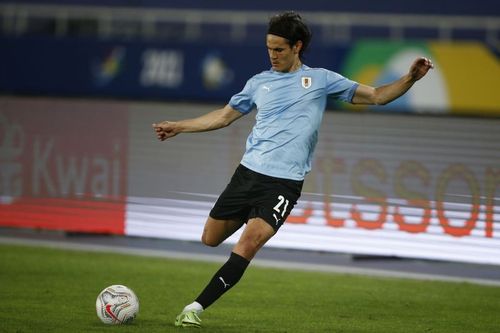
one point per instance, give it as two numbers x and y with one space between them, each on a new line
290 108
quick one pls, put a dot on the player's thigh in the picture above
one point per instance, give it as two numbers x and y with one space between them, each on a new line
216 231
257 232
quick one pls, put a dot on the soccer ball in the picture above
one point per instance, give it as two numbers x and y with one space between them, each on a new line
117 304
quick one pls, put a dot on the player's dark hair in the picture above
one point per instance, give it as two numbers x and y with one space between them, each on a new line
290 26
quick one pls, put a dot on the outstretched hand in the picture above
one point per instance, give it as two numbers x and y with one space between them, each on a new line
419 68
165 130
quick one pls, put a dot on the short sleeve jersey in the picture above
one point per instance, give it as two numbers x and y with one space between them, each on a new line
290 108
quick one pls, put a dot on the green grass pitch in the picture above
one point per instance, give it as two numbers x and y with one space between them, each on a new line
53 290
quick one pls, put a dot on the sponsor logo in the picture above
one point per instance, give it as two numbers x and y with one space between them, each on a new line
224 282
266 88
162 68
107 69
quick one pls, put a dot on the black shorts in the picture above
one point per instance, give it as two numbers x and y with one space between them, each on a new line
251 194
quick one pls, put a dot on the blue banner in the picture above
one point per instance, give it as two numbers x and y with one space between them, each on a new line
137 70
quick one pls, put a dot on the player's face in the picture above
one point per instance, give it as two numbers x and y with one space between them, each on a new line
283 57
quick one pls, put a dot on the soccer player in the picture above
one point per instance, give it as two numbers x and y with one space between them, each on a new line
290 99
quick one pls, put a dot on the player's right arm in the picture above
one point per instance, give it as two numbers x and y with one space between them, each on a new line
208 122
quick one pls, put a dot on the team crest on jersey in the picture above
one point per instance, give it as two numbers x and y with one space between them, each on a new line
306 81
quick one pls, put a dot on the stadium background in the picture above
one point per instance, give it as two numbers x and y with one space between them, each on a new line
82 82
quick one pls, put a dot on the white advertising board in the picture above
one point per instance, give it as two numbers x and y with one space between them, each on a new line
406 186
390 185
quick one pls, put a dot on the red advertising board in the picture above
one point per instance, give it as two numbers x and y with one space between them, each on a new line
63 165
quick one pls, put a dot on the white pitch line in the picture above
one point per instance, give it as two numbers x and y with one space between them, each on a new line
257 262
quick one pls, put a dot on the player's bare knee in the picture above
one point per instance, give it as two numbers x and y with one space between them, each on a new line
208 241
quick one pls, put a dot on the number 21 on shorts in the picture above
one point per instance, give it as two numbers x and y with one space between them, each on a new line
278 207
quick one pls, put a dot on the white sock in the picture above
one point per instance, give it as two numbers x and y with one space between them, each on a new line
194 306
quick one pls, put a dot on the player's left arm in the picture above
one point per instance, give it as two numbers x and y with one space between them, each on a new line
387 93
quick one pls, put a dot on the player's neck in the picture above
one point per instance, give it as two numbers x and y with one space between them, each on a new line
296 66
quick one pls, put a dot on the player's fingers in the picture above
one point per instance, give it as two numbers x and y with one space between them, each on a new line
161 125
427 62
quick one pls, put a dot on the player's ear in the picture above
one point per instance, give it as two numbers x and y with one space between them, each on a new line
297 47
